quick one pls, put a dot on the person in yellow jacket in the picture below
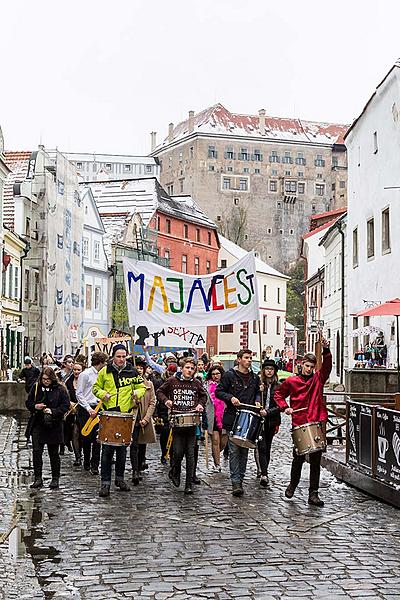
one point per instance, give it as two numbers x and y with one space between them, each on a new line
120 387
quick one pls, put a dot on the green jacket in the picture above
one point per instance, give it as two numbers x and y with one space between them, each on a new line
119 384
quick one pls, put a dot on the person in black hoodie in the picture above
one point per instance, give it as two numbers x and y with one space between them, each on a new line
238 386
29 374
271 414
48 401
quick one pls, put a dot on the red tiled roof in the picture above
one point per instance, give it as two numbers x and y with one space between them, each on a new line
218 120
320 228
330 213
18 163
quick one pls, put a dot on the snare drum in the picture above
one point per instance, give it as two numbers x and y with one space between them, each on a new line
246 429
309 438
185 419
115 429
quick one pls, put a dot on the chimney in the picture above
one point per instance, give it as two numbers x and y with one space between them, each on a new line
153 137
191 121
170 131
261 116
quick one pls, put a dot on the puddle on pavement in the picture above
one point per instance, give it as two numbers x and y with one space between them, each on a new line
25 536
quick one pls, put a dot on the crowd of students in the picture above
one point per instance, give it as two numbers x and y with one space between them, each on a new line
62 398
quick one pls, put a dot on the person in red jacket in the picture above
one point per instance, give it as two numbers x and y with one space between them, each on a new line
306 392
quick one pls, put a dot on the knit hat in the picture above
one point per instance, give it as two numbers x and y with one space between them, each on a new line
140 362
170 356
116 348
270 363
27 360
172 368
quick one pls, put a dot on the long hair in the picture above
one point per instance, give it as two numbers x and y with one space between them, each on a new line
274 379
49 372
211 369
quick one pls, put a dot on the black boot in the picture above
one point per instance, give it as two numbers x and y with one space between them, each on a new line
122 485
237 489
290 490
54 483
38 483
135 478
315 500
188 489
104 490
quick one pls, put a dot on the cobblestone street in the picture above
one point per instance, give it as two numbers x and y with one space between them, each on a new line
156 543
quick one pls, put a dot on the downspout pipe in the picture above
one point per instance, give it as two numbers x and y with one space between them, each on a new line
342 303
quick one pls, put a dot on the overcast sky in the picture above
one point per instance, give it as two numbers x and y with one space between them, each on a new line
100 75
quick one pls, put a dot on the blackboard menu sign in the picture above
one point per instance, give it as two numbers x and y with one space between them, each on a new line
353 433
387 439
359 436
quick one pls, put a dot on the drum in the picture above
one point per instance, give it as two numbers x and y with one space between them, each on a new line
246 429
185 419
308 438
115 429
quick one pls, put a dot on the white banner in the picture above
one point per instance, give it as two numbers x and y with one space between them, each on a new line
156 296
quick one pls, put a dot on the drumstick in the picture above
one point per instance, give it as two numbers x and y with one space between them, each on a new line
299 409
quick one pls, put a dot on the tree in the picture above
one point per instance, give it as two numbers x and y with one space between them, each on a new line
295 298
234 224
119 315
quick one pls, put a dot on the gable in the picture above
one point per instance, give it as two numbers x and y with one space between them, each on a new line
92 218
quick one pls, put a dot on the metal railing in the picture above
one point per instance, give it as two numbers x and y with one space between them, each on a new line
337 415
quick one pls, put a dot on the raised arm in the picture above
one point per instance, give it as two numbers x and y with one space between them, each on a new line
159 368
326 367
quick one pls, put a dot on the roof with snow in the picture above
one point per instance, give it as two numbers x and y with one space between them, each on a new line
18 163
118 200
217 120
238 252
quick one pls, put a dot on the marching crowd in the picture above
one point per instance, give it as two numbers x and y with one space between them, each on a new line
180 400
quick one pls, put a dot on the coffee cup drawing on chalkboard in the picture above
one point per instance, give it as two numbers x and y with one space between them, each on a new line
396 447
383 447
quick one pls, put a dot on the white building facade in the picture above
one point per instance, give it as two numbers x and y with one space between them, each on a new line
45 209
374 212
100 167
96 274
272 303
334 306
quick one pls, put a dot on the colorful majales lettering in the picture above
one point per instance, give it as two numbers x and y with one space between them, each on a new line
134 278
250 280
197 285
158 283
179 281
212 293
249 291
228 291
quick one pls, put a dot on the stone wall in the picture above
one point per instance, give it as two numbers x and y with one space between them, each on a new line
379 381
271 222
12 396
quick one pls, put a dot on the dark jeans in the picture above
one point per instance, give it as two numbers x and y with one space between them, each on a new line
37 456
164 435
264 449
183 446
134 449
315 469
237 462
107 454
89 443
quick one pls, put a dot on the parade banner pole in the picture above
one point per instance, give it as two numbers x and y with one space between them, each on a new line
260 351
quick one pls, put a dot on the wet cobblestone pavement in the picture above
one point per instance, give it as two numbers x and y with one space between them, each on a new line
156 543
